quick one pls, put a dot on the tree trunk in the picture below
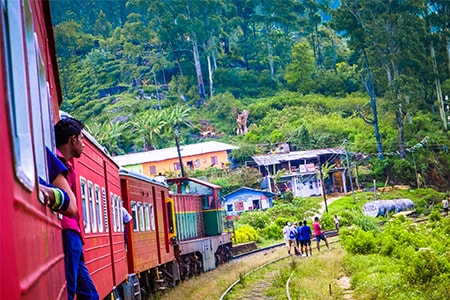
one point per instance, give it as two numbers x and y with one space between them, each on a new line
210 73
369 84
198 70
269 49
400 118
438 89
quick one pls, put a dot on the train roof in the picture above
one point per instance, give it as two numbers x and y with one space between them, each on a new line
125 172
88 136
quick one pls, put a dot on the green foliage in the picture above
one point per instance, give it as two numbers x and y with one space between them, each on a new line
255 60
255 219
404 261
245 234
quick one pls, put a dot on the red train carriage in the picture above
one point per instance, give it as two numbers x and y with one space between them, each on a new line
150 251
31 253
99 201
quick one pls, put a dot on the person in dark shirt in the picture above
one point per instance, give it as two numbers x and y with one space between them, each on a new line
305 239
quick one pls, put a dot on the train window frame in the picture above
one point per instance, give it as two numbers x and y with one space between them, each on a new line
117 212
84 204
134 214
98 207
146 217
113 211
105 210
92 213
140 209
121 213
17 90
152 217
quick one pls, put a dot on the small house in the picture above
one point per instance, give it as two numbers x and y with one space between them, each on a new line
246 199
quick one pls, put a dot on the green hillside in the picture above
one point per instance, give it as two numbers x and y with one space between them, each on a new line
311 74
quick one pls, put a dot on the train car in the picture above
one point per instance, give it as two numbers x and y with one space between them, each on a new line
201 242
150 251
99 201
31 252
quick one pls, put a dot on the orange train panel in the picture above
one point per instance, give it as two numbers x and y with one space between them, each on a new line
147 237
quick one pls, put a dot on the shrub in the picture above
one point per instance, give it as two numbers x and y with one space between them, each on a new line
245 234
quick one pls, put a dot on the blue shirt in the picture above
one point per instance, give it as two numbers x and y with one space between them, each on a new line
54 166
305 233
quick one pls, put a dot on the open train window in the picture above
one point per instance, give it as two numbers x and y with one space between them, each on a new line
84 205
17 88
133 212
98 208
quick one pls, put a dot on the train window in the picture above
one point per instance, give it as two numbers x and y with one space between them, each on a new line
17 87
40 98
105 211
98 209
146 217
118 214
92 215
141 216
113 211
84 205
121 214
152 217
133 212
170 215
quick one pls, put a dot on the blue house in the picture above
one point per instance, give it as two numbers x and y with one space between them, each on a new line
245 199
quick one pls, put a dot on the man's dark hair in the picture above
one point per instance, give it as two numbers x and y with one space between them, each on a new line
304 222
65 128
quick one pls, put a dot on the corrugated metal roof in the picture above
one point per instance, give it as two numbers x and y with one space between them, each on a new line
273 159
170 153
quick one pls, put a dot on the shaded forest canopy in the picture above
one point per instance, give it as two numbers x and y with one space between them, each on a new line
312 73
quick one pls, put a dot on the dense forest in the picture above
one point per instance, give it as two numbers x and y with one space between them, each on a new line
371 73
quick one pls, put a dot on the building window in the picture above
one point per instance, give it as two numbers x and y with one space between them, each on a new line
152 169
239 206
176 166
197 162
214 160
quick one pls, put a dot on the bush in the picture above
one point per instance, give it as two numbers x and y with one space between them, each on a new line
245 234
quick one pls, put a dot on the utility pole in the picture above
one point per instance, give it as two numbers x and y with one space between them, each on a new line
323 185
183 175
348 169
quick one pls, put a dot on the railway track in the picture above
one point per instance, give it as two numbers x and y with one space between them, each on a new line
328 233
